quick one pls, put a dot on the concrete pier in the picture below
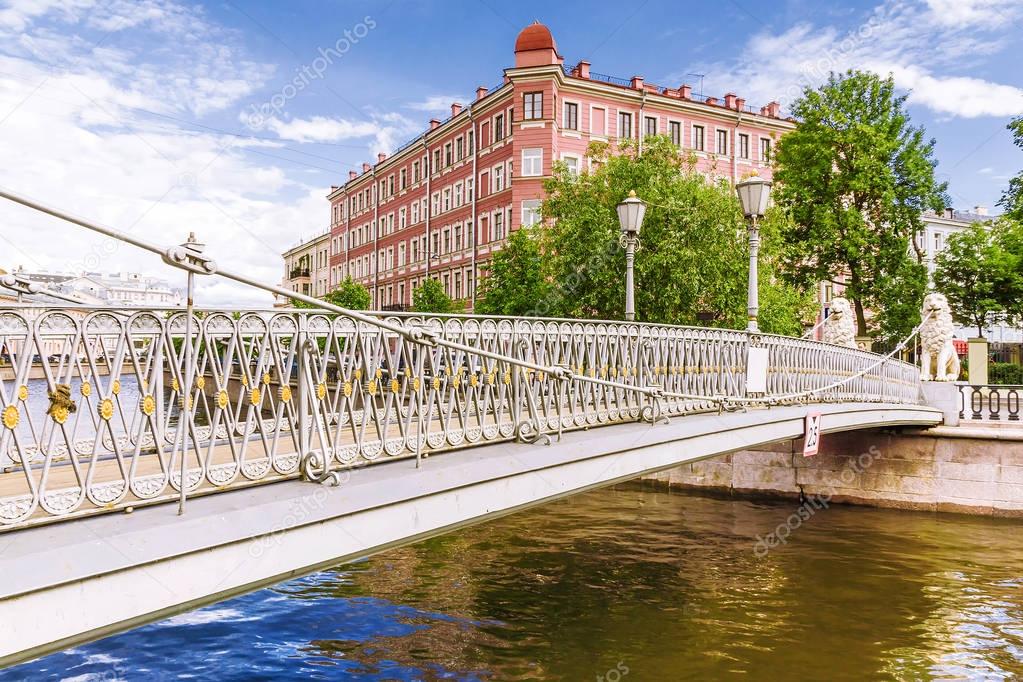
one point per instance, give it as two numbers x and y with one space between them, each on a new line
974 468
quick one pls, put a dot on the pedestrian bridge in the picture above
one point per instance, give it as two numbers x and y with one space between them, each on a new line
152 461
420 424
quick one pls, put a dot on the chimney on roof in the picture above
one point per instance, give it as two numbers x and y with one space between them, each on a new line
583 68
729 100
456 109
352 175
740 103
950 213
381 157
686 91
434 124
980 210
481 92
712 100
637 83
771 109
365 167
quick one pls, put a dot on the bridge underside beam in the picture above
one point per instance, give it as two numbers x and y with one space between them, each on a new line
84 579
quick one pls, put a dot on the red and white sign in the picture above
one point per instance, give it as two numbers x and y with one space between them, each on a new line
812 434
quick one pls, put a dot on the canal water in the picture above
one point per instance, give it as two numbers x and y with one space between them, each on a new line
618 586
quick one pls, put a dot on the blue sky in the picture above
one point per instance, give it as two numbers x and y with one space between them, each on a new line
164 117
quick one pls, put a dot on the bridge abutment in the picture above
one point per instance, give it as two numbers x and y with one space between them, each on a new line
965 469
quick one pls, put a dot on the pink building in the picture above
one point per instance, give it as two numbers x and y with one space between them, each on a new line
442 204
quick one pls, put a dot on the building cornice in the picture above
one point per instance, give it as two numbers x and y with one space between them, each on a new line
635 96
310 243
428 137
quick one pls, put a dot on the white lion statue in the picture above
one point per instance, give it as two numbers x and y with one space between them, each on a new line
936 332
840 327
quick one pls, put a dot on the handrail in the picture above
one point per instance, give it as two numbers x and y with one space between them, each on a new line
178 257
370 384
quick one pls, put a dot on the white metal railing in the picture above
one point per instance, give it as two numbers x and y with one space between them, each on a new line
107 423
103 410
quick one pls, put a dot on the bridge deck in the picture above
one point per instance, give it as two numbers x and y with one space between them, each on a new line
86 578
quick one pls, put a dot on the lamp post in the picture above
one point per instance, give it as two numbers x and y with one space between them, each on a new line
754 196
630 218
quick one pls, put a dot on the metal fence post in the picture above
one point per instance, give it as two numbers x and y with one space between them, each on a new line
304 427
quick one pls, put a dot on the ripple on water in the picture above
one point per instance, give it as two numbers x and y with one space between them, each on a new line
666 585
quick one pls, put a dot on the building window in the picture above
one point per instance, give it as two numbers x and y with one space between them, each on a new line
698 138
436 161
765 149
624 125
675 130
498 127
459 150
458 195
722 142
447 154
650 126
404 178
532 162
572 165
743 146
571 121
530 212
415 172
447 199
532 105
471 148
498 178
498 232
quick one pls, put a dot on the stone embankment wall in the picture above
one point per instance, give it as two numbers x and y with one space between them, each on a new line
969 469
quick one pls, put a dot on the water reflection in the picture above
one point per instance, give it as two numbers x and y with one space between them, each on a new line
667 585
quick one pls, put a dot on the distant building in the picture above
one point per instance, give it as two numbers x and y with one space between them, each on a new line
307 269
445 201
128 289
931 241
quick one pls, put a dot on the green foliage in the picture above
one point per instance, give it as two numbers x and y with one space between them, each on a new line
515 282
980 275
429 297
349 294
854 177
1005 373
1012 198
694 255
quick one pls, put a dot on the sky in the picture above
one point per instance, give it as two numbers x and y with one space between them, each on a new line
233 119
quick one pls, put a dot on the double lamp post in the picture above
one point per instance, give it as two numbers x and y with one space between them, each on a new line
754 197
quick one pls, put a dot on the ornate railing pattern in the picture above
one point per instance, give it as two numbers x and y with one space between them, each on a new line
95 416
991 402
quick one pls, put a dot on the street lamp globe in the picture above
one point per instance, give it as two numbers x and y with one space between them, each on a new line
754 196
630 214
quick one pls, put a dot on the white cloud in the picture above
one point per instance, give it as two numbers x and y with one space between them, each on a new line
921 44
435 103
74 136
973 12
381 131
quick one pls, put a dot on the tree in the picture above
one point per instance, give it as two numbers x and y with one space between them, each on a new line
348 294
429 297
694 256
515 284
854 177
1012 198
971 270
